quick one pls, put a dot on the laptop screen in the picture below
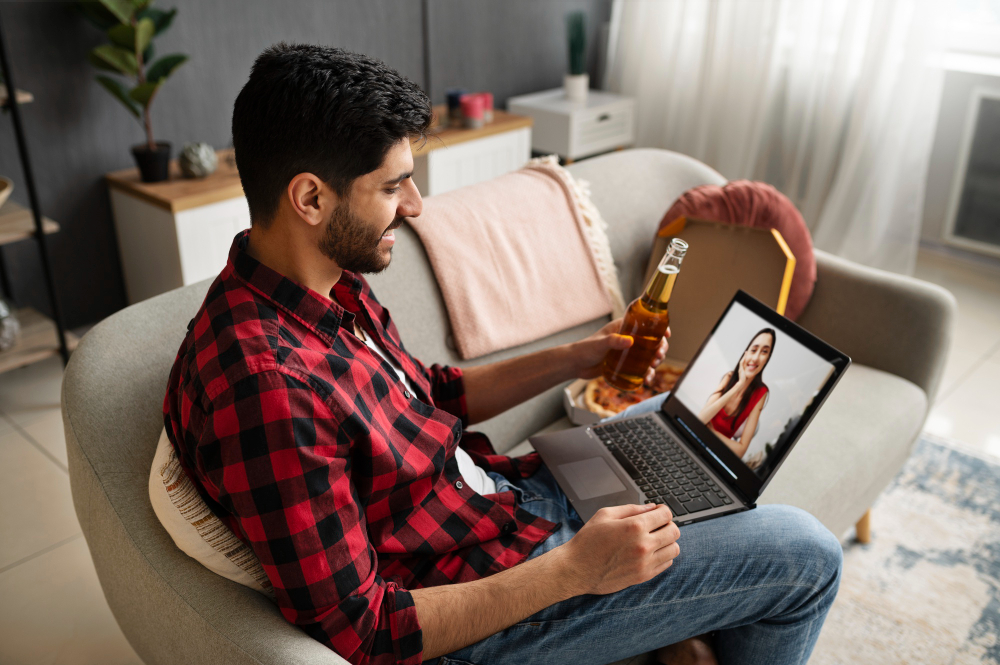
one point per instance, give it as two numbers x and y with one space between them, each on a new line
751 388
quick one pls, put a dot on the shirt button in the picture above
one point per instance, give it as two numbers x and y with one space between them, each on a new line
459 485
406 394
507 528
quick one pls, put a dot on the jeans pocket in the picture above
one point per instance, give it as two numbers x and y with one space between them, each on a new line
504 485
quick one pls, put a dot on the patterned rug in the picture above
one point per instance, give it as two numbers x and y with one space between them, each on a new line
927 588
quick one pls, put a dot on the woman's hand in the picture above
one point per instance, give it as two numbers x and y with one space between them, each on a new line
588 354
744 378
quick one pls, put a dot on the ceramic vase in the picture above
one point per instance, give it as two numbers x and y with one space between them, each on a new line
576 86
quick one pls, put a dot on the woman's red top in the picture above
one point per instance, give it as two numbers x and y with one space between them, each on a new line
727 425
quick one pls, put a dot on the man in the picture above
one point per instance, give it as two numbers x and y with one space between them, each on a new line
388 532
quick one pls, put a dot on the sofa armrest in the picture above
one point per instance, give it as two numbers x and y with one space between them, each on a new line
891 322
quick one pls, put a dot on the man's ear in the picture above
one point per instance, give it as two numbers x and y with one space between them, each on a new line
311 198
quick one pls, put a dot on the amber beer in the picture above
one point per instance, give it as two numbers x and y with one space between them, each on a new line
646 321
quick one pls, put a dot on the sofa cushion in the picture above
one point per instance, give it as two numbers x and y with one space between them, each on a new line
193 526
759 205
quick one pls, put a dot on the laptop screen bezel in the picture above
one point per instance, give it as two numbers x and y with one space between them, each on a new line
715 453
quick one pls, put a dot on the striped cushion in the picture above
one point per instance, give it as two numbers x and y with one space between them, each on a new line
195 528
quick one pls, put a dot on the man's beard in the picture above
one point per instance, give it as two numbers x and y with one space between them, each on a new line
352 244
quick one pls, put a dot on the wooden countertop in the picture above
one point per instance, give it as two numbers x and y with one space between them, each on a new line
441 137
180 193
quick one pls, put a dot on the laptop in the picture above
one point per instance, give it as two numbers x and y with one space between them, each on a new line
707 452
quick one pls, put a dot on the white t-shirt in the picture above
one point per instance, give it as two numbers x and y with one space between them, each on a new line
475 476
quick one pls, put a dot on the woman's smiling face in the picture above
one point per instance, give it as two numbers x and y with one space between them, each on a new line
757 355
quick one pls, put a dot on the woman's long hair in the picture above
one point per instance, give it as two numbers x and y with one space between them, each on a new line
757 381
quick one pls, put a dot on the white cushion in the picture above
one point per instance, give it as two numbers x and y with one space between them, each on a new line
196 530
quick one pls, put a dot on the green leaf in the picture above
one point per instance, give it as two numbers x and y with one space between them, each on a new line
125 35
101 64
164 67
161 19
116 58
122 9
122 35
118 90
143 93
147 56
143 34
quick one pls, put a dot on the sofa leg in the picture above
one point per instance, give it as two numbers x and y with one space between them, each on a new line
864 528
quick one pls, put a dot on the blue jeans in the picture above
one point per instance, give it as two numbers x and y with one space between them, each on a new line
763 579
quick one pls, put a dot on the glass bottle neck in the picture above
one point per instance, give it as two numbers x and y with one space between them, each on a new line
661 285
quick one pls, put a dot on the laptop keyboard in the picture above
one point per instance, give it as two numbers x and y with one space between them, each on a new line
661 468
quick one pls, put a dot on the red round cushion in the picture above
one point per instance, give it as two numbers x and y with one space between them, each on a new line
760 205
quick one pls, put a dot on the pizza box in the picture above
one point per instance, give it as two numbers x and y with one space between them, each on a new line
721 259
577 413
573 402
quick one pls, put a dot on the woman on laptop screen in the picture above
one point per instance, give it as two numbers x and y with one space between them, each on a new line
740 397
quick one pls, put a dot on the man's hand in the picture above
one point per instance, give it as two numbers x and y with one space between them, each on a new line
589 353
620 546
617 548
494 388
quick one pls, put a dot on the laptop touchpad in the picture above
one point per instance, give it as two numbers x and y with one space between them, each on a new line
591 477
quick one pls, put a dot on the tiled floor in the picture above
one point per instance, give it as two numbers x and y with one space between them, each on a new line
52 609
966 407
51 606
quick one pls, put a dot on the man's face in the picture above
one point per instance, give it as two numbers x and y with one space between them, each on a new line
359 235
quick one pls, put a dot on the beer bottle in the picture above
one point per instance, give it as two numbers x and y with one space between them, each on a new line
646 321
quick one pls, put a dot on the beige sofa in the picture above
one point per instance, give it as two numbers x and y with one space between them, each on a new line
172 610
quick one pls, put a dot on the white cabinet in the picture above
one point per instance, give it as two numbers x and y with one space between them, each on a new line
573 130
455 157
178 232
205 235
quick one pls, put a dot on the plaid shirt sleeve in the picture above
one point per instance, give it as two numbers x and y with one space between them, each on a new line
278 458
447 389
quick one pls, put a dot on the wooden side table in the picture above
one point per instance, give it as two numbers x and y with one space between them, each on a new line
575 130
456 157
179 231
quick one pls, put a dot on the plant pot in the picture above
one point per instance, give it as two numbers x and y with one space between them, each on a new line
154 165
576 86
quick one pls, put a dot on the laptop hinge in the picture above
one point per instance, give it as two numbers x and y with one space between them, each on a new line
721 473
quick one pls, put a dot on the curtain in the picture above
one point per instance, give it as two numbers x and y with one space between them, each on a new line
834 102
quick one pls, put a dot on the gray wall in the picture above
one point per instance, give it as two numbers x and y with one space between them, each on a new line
76 132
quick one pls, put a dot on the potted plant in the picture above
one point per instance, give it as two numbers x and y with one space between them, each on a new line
577 81
131 26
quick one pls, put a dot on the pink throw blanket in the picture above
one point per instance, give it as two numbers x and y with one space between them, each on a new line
512 258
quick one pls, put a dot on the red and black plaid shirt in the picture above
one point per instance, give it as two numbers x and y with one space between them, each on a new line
343 482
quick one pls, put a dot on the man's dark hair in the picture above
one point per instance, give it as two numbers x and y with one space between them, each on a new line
319 110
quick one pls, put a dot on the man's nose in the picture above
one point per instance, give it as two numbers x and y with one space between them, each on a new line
413 204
